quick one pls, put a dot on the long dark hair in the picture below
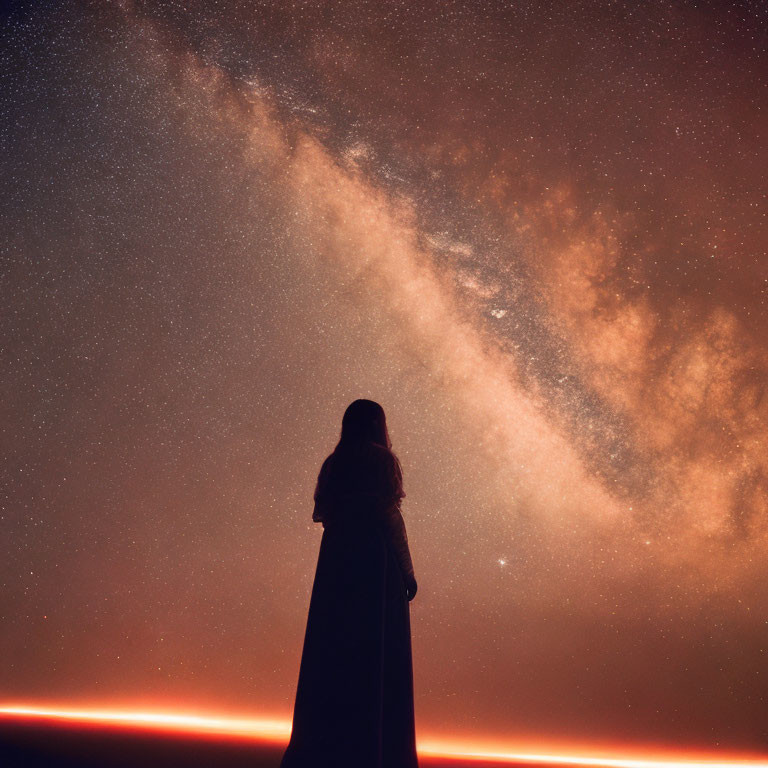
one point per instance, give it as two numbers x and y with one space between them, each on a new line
363 422
364 435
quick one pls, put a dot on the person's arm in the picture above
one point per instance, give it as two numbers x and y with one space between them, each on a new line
397 533
318 514
391 494
395 526
320 495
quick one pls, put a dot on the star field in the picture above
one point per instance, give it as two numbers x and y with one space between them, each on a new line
535 232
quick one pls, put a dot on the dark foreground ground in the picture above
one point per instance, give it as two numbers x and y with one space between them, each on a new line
65 745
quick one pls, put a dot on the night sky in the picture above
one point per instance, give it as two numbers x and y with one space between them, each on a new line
535 232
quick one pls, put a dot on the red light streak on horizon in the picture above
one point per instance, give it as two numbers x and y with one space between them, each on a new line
278 729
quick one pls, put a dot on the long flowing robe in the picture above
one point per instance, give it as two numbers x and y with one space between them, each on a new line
354 699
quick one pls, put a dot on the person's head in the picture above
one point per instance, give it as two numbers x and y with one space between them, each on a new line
364 422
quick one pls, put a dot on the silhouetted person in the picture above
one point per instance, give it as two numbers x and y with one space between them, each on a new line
354 700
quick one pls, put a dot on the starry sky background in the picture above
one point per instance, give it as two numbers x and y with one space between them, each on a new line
535 232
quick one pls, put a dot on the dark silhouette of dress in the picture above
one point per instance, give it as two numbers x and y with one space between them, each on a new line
354 699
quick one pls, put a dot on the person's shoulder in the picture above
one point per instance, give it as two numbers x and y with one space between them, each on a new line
326 466
377 449
383 454
392 472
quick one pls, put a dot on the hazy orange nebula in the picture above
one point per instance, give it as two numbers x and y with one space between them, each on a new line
534 232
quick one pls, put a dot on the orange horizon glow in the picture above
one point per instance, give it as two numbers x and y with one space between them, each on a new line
277 730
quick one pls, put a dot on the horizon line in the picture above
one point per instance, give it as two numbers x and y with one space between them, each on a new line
274 729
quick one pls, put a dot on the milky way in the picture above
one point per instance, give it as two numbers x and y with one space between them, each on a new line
535 234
